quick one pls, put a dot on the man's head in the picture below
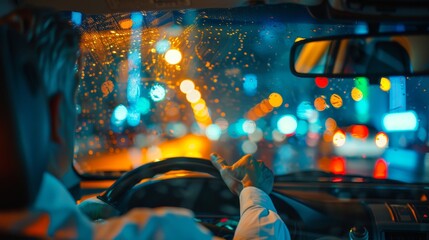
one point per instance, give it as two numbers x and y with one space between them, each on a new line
56 45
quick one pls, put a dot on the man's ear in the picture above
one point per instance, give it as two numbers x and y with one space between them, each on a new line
55 115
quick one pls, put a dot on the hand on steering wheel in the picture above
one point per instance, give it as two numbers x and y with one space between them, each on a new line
244 173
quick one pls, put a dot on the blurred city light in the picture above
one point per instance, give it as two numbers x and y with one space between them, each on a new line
304 110
125 23
257 135
357 94
380 169
359 131
338 165
137 19
213 132
275 99
250 84
157 93
249 147
404 121
249 126
339 138
133 118
336 101
120 113
330 124
143 105
320 104
321 82
302 128
76 18
193 96
162 46
186 86
385 84
173 56
287 124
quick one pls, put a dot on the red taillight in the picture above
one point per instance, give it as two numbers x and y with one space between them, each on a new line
338 165
380 169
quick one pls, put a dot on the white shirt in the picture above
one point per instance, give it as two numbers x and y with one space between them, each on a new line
56 215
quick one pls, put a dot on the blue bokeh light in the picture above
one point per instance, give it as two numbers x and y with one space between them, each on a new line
403 121
137 19
213 132
157 93
361 28
143 105
162 46
302 128
304 110
120 113
250 84
133 118
76 18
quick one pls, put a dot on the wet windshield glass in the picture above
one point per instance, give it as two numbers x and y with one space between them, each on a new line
186 83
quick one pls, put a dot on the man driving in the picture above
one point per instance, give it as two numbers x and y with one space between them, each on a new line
56 45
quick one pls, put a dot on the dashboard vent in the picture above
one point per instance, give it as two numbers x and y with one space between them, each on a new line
393 235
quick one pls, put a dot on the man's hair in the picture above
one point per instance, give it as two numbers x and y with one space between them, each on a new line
56 44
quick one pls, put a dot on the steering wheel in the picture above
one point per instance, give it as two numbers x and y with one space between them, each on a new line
114 194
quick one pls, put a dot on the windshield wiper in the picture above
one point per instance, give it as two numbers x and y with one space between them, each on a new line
322 176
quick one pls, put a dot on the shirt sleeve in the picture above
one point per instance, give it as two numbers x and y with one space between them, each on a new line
259 218
158 223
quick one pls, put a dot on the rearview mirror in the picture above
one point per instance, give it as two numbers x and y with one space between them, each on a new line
362 55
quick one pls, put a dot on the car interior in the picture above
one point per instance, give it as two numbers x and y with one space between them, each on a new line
332 95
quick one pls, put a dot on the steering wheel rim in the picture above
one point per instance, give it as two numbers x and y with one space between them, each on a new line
116 191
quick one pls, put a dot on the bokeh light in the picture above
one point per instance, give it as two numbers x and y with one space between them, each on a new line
133 118
249 147
385 84
380 169
250 84
357 94
120 113
162 46
126 23
173 56
157 93
381 140
330 124
287 124
304 110
249 126
278 136
143 105
186 86
336 101
338 165
302 128
339 138
321 82
320 104
193 96
213 132
359 131
275 99
257 135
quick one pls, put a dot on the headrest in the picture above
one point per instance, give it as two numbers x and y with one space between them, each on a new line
24 123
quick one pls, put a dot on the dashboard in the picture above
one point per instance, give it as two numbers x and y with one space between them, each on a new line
319 210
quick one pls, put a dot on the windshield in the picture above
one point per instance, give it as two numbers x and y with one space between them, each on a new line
156 85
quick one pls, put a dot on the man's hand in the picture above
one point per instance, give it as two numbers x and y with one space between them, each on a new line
244 173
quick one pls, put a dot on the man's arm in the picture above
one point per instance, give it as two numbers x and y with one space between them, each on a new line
252 181
259 218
